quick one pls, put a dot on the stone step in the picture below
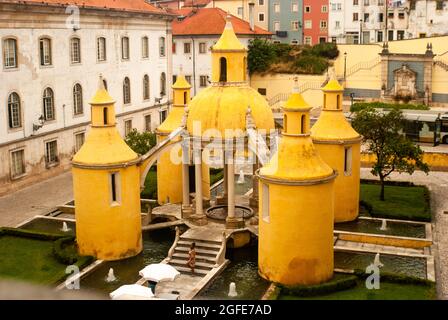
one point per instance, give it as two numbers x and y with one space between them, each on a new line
184 256
198 264
211 246
201 252
186 270
191 239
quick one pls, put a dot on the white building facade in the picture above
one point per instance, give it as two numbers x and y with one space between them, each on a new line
427 18
50 68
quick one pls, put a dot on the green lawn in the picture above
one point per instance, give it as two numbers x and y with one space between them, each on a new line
387 291
401 202
31 260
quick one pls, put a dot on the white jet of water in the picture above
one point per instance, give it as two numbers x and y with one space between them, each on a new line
65 228
241 177
377 261
383 225
110 276
232 290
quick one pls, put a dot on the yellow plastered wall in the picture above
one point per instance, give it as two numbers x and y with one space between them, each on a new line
236 66
436 161
169 175
296 245
346 186
105 230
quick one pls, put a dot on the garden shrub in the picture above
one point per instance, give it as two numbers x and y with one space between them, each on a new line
358 106
309 64
30 234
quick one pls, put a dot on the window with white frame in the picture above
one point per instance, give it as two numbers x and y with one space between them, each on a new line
115 188
75 50
294 7
240 11
276 7
45 51
188 78
162 84
308 40
127 127
125 48
126 91
145 47
51 152
337 24
77 99
203 81
265 202
79 140
276 26
187 47
48 104
162 46
145 87
324 9
17 163
148 123
308 24
294 25
323 24
202 47
348 161
307 9
261 2
10 53
14 111
101 49
261 17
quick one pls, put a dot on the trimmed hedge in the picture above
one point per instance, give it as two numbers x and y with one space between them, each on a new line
358 106
30 234
62 252
337 283
395 278
390 183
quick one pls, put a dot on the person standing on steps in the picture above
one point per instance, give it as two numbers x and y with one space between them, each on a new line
192 257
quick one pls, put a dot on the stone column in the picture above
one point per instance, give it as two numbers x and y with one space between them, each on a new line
199 217
253 201
222 199
231 222
186 207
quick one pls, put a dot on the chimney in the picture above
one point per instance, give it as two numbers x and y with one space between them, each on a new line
251 15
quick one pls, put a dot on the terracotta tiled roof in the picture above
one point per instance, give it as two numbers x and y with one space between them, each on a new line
121 5
210 21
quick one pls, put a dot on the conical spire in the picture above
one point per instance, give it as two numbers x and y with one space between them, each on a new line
181 82
228 39
101 97
296 101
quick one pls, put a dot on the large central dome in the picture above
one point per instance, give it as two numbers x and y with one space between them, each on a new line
224 105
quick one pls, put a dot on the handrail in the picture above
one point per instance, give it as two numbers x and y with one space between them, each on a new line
176 240
363 65
441 63
221 256
302 88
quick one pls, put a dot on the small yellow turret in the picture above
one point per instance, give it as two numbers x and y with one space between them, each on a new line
339 145
296 206
106 188
169 172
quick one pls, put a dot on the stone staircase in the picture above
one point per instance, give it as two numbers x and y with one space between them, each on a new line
442 64
209 254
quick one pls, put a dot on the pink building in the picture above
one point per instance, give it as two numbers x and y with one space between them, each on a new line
315 21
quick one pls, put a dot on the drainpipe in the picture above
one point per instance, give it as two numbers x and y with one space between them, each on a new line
251 16
194 66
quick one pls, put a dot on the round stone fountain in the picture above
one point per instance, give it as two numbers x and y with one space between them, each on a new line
219 212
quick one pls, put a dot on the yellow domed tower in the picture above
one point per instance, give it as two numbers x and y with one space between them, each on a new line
106 188
219 112
339 145
169 173
295 236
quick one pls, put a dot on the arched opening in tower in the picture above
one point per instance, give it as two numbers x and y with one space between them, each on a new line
223 70
185 98
105 115
302 124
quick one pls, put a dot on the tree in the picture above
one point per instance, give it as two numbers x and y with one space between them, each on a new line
382 133
261 55
142 142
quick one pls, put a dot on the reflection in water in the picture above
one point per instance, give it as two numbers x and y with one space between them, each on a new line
243 270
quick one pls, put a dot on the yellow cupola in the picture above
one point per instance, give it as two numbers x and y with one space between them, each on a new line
106 188
169 172
339 145
223 105
295 236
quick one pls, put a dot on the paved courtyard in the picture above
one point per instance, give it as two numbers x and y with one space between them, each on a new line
35 199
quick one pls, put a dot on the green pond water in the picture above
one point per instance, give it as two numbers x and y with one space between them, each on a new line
50 226
156 244
240 188
393 228
243 270
408 266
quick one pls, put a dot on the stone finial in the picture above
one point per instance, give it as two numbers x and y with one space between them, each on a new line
250 124
101 83
228 21
181 69
295 89
185 116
